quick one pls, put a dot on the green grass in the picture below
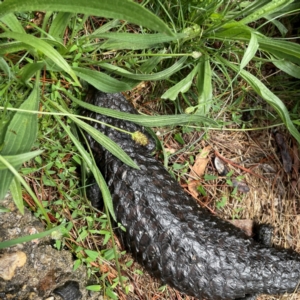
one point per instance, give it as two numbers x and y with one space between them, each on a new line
204 60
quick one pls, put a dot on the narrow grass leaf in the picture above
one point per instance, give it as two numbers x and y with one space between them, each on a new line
106 142
204 86
28 238
17 160
148 121
45 48
287 67
28 71
182 86
18 177
94 169
268 96
59 25
5 67
280 48
12 47
101 138
157 76
283 30
16 193
101 81
107 26
267 9
115 9
250 52
11 21
152 62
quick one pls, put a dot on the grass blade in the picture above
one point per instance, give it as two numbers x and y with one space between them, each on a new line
45 48
204 86
18 177
157 76
250 52
101 81
16 193
102 139
92 166
59 25
12 23
267 95
117 40
148 121
28 238
28 71
115 9
16 160
266 10
287 67
181 87
5 67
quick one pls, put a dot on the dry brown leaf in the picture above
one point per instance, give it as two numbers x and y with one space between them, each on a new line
192 187
200 163
197 170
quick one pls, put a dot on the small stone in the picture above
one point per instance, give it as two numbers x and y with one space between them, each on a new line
9 262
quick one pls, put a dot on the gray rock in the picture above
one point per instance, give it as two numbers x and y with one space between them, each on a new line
39 268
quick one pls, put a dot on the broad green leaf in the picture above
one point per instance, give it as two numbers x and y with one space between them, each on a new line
267 95
12 47
157 76
59 25
28 238
181 87
101 81
44 47
16 193
20 135
267 9
250 52
115 9
12 23
22 130
148 121
17 160
204 86
94 169
287 67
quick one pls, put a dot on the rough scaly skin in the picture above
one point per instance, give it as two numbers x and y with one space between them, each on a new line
175 239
